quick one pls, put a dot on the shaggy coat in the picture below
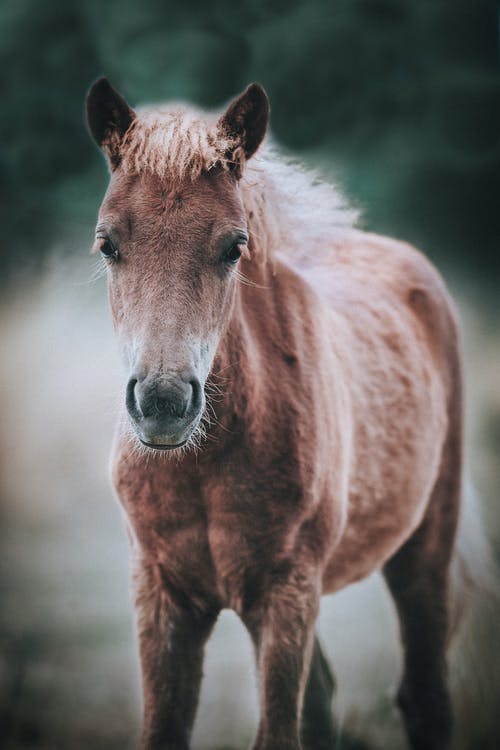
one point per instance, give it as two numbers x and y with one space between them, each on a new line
297 383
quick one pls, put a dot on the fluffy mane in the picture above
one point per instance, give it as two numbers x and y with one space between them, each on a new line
283 200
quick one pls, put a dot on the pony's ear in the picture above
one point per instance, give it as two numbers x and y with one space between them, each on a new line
108 118
245 122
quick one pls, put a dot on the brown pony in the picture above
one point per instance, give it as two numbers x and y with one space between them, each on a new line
293 417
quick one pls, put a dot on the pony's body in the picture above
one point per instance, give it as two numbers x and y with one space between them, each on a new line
334 450
356 469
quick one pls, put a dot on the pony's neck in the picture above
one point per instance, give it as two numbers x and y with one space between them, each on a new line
237 379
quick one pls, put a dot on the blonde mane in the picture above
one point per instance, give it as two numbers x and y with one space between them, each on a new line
288 207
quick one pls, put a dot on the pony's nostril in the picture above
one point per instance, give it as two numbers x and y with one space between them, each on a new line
196 394
130 399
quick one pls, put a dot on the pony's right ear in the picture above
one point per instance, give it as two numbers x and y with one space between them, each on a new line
108 119
245 123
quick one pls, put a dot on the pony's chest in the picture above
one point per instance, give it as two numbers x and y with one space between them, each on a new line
222 562
221 536
239 569
254 537
167 526
174 537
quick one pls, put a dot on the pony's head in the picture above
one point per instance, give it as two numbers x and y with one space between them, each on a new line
171 229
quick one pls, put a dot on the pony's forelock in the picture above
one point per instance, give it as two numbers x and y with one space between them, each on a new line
282 199
175 142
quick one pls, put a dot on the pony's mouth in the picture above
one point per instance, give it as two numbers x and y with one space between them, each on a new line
163 447
159 439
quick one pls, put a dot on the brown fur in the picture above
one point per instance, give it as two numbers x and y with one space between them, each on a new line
334 449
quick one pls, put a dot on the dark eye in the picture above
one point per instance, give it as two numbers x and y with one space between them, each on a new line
107 249
233 255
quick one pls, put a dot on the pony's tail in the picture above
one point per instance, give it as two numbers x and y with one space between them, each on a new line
474 574
475 632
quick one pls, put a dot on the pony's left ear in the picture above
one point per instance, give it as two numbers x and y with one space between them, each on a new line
245 122
108 118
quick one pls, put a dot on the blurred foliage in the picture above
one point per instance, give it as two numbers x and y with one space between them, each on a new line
399 99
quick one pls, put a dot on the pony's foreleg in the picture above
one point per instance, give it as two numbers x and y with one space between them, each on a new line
171 642
318 731
282 629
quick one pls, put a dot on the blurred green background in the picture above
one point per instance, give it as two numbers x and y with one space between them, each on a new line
402 97
399 102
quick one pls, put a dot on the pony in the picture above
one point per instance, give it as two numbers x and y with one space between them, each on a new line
292 418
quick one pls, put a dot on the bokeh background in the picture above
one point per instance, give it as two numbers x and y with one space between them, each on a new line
399 102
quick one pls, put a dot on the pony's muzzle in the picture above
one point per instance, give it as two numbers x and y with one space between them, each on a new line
164 411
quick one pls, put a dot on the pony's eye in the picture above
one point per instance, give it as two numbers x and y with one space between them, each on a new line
107 249
234 253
